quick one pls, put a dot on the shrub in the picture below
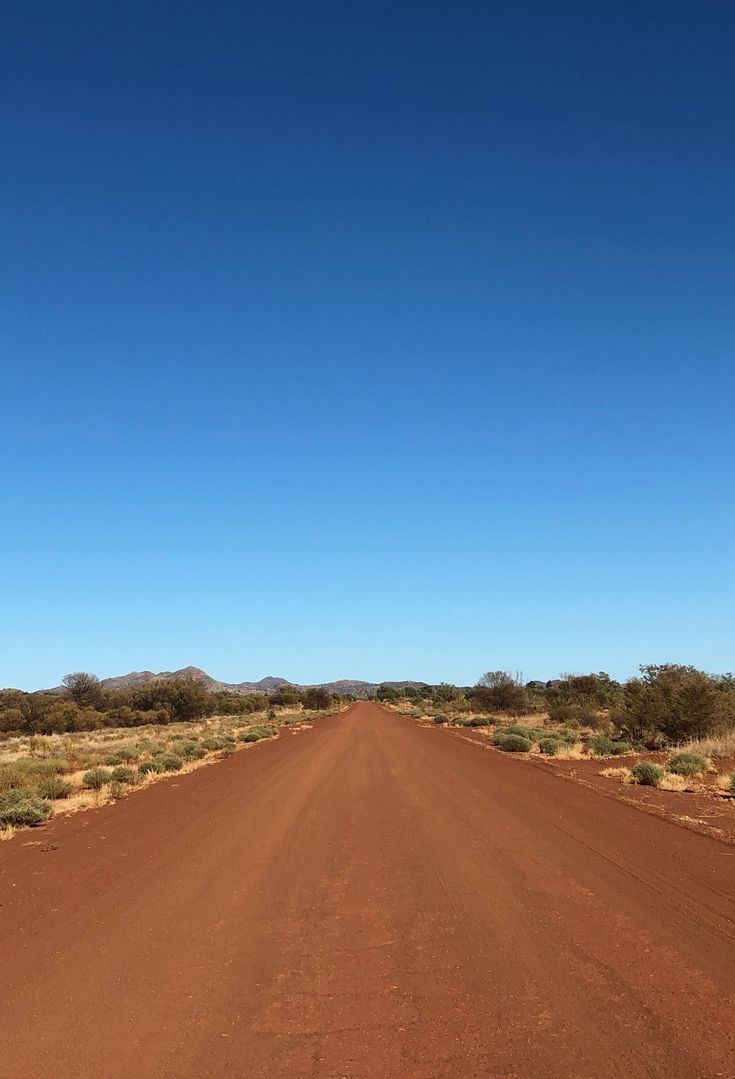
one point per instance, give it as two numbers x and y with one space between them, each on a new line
54 787
501 690
602 746
122 775
732 783
121 756
566 736
531 733
461 721
191 750
169 762
687 764
549 746
250 736
514 743
215 742
146 767
647 774
480 721
116 789
23 808
440 718
95 779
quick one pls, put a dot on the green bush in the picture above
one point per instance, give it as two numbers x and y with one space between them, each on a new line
480 721
686 764
513 743
169 762
121 756
549 746
602 746
95 779
54 787
440 718
566 736
250 736
21 808
647 774
215 742
461 721
146 767
115 789
122 775
191 750
531 733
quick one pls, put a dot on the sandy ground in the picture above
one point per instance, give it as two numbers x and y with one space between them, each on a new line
372 898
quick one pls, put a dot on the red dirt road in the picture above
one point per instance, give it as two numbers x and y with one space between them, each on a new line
369 898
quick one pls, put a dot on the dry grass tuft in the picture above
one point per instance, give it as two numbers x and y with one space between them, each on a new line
574 752
719 745
624 775
672 782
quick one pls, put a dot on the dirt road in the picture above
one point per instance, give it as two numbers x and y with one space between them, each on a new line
369 898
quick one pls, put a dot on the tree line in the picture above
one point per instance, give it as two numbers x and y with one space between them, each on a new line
84 704
665 703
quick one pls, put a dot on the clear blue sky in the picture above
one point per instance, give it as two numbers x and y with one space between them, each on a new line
381 341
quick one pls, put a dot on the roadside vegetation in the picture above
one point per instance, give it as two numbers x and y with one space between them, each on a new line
82 760
676 721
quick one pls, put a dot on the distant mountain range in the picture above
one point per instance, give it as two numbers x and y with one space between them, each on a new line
270 684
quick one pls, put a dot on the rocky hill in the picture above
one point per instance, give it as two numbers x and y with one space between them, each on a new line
269 684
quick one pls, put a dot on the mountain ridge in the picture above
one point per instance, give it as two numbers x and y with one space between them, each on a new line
352 686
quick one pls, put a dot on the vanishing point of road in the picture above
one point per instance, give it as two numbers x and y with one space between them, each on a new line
367 899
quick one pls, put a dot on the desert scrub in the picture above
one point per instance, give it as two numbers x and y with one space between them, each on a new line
647 774
513 743
214 742
602 746
26 772
249 736
54 787
121 756
440 718
480 721
531 733
169 762
624 775
18 807
123 775
95 779
687 764
191 750
147 767
565 735
254 734
549 746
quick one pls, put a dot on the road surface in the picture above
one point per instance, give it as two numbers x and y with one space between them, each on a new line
369 898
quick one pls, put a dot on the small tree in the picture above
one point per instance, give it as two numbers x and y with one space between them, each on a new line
317 698
502 691
83 688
